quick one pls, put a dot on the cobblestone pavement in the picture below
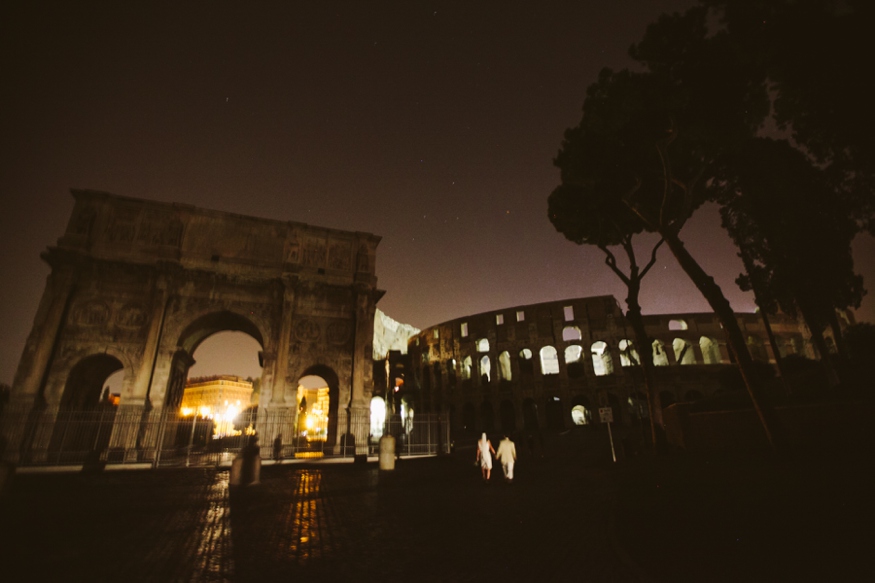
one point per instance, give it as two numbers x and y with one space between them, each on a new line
429 519
566 517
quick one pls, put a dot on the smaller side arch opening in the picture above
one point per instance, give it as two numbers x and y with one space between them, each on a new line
581 411
659 356
87 411
505 373
317 404
628 353
683 351
485 370
710 350
602 363
574 361
527 369
677 325
549 361
571 334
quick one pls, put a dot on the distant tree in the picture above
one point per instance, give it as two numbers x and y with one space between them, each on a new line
807 376
860 342
256 390
860 339
794 228
813 56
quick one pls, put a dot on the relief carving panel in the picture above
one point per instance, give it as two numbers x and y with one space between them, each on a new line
132 316
160 229
92 313
314 252
121 226
307 331
339 332
339 256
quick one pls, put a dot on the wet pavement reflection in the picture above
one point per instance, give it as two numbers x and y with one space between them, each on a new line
433 520
213 559
308 540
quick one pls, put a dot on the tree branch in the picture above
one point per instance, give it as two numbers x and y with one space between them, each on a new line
662 149
611 262
652 258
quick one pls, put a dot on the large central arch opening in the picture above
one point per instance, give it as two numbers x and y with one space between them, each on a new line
214 386
224 383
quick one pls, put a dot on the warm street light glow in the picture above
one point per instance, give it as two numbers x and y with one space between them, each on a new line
206 398
313 413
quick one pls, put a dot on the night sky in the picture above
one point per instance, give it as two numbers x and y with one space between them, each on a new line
431 124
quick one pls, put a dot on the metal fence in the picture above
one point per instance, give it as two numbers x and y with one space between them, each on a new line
109 436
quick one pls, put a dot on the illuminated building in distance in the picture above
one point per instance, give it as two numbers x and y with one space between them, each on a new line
220 398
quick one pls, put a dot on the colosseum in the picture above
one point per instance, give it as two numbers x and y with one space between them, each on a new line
552 365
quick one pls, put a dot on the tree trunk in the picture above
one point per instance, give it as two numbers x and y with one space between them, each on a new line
841 352
718 302
816 329
645 354
776 350
757 295
837 333
645 350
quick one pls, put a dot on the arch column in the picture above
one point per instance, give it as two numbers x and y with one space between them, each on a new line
614 357
361 381
668 348
275 389
697 352
152 433
135 402
278 399
139 392
25 411
723 349
38 351
519 413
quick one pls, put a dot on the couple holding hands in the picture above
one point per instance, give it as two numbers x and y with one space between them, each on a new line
506 454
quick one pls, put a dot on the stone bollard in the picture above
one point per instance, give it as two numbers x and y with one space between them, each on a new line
245 472
387 452
246 467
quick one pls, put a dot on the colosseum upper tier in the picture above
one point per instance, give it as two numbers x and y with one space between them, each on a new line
552 365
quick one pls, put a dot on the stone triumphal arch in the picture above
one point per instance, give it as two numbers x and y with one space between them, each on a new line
137 285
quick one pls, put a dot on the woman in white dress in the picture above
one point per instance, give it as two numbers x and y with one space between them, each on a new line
484 456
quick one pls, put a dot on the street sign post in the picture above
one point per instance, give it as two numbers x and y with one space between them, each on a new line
606 415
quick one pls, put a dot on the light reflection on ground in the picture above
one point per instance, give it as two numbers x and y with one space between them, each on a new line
308 539
213 559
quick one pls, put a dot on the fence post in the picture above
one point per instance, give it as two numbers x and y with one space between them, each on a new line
162 423
446 428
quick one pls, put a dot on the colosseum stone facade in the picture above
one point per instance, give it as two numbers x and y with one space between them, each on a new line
553 365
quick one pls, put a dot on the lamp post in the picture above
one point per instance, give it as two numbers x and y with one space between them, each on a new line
190 439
